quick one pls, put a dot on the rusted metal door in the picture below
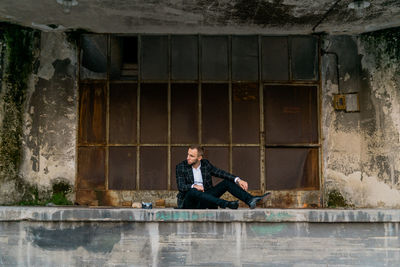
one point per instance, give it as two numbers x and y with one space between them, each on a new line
251 101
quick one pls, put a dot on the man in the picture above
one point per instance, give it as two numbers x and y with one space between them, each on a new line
193 177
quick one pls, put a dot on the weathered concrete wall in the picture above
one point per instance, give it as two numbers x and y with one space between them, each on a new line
361 158
360 150
206 16
128 237
48 122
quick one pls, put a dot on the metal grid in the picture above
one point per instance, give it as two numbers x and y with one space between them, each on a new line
169 145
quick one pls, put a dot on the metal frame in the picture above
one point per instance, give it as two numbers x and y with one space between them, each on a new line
261 84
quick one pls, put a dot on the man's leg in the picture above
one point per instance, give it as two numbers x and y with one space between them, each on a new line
236 191
232 188
195 199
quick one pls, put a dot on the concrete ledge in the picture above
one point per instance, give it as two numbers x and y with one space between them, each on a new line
79 214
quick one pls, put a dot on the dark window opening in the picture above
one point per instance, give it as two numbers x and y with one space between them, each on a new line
129 50
129 66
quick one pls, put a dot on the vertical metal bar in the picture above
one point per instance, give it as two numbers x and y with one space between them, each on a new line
199 102
169 137
230 101
107 110
169 117
77 126
319 109
230 128
200 76
262 131
138 112
289 42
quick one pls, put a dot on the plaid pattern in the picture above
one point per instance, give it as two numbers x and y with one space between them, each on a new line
185 179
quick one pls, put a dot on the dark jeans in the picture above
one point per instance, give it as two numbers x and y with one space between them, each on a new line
210 199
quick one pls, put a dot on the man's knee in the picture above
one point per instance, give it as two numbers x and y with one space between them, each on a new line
193 192
227 183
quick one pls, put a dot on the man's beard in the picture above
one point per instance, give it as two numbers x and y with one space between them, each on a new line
194 162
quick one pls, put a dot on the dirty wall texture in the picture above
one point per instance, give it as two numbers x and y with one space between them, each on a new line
18 45
48 131
50 117
198 244
361 158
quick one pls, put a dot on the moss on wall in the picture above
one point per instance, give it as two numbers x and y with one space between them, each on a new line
384 45
336 200
19 57
58 195
17 62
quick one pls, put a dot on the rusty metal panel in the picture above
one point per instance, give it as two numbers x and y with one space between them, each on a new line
292 168
215 114
91 168
154 113
122 113
154 57
219 157
304 61
184 57
214 58
184 113
246 165
153 168
92 113
178 154
275 58
93 57
290 114
244 58
122 168
245 113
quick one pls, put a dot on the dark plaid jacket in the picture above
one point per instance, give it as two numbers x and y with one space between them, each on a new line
185 179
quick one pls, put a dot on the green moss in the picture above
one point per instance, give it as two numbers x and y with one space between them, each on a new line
384 45
336 200
57 196
19 44
60 191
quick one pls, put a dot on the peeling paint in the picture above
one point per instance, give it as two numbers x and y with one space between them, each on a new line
361 156
364 191
50 124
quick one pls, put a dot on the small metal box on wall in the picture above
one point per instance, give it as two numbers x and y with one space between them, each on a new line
347 102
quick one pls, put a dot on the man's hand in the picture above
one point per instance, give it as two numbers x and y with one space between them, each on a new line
243 185
199 187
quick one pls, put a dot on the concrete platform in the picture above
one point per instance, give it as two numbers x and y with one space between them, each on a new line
76 236
106 214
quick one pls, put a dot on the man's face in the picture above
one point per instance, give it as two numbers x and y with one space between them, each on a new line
193 157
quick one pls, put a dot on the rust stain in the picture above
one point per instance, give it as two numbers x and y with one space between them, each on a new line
291 110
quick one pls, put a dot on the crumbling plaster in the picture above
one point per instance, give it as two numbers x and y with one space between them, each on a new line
50 114
204 16
360 150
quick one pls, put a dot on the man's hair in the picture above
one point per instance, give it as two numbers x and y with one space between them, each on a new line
200 149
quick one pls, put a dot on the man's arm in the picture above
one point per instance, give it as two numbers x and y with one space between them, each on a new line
183 186
226 175
214 171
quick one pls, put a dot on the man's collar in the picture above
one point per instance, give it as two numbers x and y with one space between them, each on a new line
197 167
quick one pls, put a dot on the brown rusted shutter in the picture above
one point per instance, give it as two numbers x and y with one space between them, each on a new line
215 114
92 113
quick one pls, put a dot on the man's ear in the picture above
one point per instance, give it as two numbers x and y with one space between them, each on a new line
201 157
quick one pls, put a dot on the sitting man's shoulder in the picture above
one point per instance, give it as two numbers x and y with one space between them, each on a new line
205 161
182 164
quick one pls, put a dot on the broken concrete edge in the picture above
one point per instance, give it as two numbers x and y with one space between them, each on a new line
106 214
